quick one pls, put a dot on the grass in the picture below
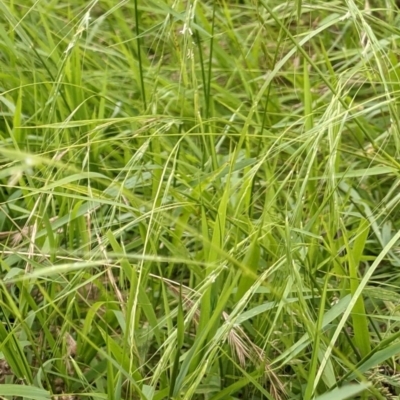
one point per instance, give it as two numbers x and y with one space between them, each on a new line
199 200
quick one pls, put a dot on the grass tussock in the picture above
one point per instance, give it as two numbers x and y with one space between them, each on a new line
199 199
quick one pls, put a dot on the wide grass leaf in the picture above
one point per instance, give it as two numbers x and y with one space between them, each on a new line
27 392
343 393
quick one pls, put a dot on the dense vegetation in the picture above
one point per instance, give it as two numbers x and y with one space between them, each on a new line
200 199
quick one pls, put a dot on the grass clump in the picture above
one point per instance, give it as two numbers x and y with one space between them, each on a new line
199 200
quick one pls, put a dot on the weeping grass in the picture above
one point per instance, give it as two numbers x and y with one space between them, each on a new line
199 200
